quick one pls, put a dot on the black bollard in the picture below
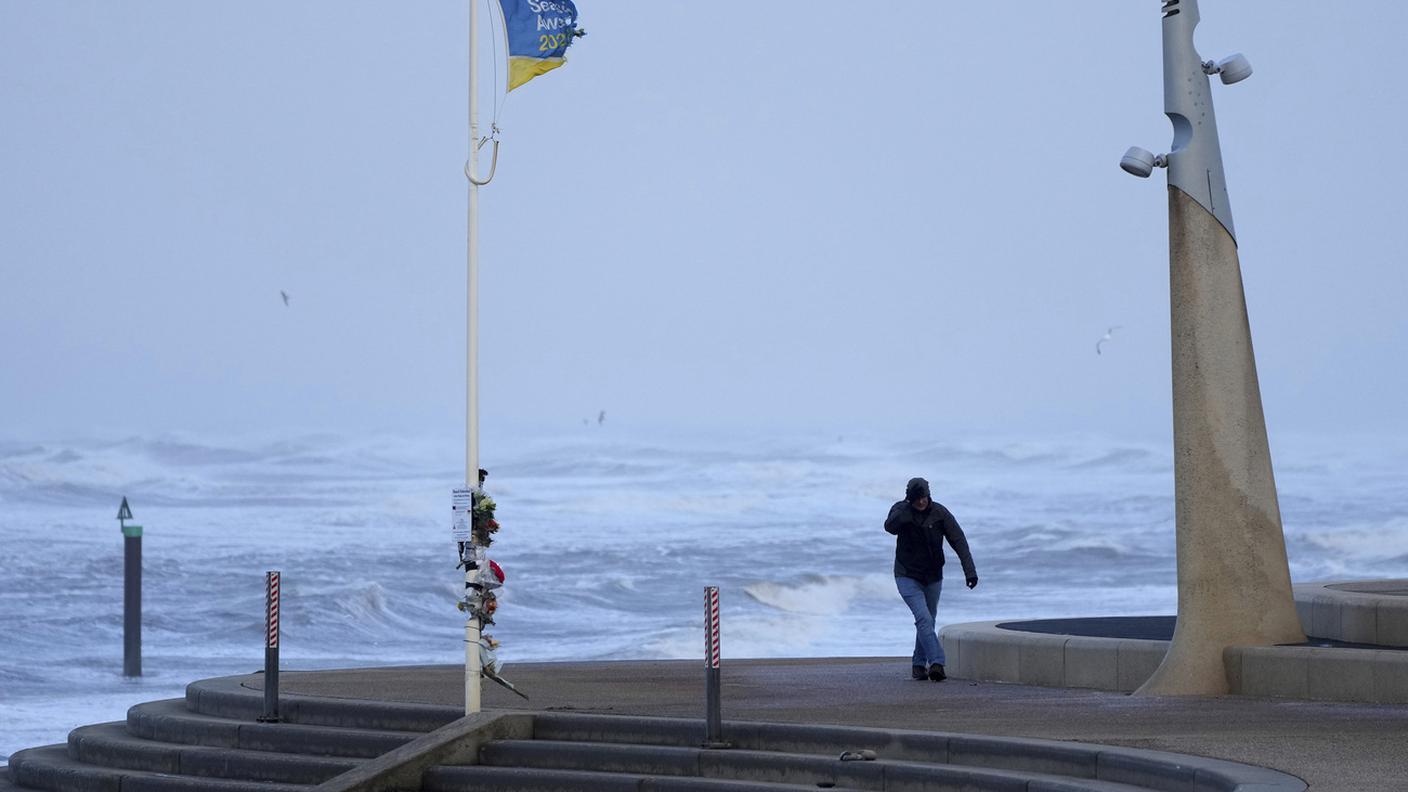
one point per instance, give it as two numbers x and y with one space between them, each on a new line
271 650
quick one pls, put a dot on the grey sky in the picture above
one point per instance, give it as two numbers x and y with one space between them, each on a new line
824 214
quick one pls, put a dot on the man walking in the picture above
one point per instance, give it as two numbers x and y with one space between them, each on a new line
920 527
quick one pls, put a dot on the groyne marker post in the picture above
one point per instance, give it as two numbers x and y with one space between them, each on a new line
131 592
713 717
271 649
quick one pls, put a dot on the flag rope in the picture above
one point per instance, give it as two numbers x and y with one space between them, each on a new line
499 101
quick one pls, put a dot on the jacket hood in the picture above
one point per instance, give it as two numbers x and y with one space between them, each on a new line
917 488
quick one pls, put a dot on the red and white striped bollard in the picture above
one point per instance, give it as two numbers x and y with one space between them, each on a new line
713 719
271 650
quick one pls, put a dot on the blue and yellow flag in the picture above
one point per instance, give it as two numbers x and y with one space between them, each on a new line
539 33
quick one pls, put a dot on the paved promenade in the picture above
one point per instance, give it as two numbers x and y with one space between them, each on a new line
1334 747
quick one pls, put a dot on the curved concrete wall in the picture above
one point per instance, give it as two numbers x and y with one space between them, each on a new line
1355 612
983 651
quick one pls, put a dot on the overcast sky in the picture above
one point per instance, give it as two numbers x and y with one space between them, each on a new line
822 214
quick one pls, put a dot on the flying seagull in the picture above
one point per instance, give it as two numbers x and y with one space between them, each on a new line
284 295
1108 335
601 418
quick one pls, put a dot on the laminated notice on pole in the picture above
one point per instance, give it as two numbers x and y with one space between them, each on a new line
461 505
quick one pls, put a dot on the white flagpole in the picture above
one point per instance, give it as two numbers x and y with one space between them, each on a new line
471 438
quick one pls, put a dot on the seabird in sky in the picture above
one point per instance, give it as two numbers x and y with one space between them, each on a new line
1108 335
284 295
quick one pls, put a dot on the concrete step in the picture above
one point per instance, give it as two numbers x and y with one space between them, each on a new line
170 721
110 745
482 778
6 783
769 767
51 768
225 697
1046 758
1040 756
577 727
197 744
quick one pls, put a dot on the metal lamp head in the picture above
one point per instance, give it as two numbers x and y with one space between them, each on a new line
1234 68
1141 162
1194 161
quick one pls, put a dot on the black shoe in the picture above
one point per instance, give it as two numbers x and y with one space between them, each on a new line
918 672
936 672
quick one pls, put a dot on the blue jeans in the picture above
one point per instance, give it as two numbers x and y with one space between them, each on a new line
923 602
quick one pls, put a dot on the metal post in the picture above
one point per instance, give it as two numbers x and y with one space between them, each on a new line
471 435
271 649
471 450
131 600
713 718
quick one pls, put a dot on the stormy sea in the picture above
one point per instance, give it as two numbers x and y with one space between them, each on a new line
608 540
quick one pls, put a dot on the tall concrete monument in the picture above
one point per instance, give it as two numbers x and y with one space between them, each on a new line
1234 584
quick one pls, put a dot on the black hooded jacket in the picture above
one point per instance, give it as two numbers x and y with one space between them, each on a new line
919 541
